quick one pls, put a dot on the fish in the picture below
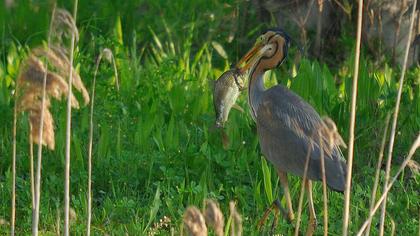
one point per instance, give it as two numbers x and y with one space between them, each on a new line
225 93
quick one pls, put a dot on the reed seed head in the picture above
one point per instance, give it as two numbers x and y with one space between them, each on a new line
194 222
214 217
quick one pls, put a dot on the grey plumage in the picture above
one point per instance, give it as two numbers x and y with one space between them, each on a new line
287 126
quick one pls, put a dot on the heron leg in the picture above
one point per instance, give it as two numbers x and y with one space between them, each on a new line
312 216
285 184
276 206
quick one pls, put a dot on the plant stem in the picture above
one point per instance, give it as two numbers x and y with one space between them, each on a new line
13 213
35 212
324 184
302 190
89 204
352 121
98 62
31 165
68 132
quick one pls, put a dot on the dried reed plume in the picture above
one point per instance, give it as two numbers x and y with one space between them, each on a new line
214 217
41 78
194 222
63 29
30 83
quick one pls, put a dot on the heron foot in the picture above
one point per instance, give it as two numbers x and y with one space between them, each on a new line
276 206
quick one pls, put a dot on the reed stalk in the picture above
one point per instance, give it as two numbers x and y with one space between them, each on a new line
352 121
35 212
68 132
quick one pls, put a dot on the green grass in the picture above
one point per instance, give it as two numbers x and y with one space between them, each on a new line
154 151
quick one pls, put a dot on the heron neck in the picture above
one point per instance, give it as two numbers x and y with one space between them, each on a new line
255 89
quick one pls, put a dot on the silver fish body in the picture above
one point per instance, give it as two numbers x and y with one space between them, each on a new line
226 91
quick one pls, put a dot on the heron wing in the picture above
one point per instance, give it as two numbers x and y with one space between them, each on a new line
281 109
288 126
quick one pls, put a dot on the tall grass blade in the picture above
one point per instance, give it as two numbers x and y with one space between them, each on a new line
352 121
395 117
154 209
268 187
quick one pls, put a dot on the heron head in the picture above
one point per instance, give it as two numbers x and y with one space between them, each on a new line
269 51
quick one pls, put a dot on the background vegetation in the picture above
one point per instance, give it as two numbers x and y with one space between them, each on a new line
154 150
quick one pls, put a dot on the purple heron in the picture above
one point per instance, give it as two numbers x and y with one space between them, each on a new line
287 126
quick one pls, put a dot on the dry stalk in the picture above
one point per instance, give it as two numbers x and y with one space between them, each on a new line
37 85
13 213
395 117
68 131
327 135
410 155
352 121
302 190
327 132
378 171
324 184
319 28
35 212
31 166
301 21
107 54
343 8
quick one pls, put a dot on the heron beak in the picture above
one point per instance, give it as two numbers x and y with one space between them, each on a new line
251 57
244 64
